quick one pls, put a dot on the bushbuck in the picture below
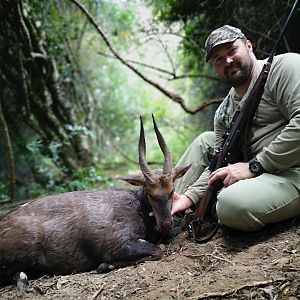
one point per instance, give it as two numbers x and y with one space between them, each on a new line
85 230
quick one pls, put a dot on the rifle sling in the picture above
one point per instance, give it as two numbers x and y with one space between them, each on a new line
244 118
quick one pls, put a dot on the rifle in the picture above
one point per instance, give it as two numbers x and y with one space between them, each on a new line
203 223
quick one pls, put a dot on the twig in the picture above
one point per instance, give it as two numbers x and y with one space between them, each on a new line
195 44
176 77
97 293
232 291
211 255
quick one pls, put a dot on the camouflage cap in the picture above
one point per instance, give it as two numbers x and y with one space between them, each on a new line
222 35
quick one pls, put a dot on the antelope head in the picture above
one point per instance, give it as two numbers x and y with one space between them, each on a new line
158 184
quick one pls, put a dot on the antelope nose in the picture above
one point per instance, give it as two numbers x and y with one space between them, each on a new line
166 225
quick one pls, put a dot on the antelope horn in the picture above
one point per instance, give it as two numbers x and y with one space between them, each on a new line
167 170
142 150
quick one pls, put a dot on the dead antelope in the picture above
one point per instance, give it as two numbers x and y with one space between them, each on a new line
84 230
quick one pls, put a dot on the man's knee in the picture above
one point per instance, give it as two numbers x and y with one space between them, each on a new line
202 147
206 140
236 212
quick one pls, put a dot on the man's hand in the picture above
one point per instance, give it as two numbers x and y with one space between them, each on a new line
231 174
180 203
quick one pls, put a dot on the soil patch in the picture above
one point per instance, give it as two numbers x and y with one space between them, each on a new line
234 265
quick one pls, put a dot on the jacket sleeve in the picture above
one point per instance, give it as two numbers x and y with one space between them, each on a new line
284 151
198 188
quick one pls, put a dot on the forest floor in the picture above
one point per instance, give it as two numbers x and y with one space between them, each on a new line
234 265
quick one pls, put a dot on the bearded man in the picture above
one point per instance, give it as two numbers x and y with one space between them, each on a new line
265 186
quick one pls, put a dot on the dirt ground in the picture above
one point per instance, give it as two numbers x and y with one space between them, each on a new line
264 265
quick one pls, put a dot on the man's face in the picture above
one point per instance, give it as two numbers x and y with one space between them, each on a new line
233 61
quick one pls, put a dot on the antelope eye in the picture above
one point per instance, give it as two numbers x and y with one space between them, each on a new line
151 196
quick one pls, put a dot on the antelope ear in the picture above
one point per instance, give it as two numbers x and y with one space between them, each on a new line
180 171
137 179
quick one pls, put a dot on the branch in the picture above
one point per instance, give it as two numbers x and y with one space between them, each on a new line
173 96
140 64
176 77
154 31
172 75
165 48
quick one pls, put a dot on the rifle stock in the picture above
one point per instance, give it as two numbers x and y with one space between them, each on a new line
199 226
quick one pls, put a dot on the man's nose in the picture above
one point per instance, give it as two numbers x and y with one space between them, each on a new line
228 60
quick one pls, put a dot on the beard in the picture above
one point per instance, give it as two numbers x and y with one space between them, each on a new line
236 74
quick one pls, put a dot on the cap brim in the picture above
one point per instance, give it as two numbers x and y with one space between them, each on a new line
219 43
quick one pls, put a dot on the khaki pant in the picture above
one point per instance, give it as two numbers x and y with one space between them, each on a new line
247 204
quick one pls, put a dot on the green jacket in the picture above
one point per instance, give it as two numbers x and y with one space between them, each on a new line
274 136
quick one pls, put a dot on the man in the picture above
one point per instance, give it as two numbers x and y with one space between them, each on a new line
265 186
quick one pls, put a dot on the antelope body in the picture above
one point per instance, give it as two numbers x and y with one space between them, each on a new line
82 231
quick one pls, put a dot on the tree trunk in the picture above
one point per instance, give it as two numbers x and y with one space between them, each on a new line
10 157
34 93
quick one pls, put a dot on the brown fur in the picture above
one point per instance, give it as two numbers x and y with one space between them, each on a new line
81 231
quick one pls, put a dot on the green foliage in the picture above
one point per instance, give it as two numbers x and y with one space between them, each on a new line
102 98
261 22
84 179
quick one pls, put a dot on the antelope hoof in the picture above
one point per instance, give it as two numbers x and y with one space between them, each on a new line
104 268
21 281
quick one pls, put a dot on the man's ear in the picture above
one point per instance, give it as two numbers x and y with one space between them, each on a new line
249 45
137 179
180 171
